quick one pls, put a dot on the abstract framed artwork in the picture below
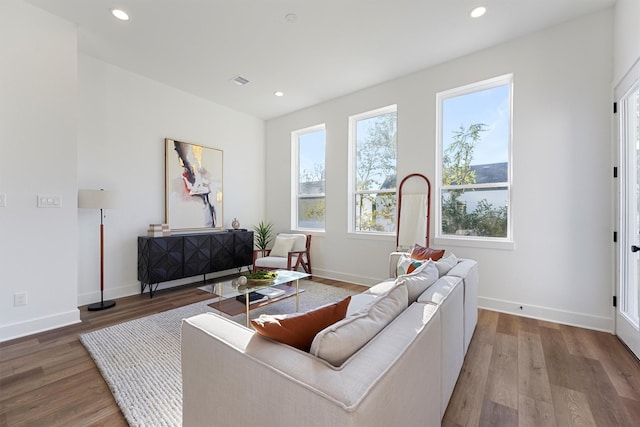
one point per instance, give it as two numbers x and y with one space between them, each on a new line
193 186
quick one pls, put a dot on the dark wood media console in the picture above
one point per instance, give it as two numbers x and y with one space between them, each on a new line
161 259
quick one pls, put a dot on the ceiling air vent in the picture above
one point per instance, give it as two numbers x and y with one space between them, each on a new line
239 80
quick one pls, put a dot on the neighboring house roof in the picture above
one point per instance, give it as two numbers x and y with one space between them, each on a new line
491 172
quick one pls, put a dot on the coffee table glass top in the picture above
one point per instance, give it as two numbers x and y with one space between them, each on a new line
230 287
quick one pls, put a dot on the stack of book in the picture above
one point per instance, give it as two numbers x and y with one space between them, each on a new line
158 230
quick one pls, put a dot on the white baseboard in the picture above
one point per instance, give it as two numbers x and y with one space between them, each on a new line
133 288
350 278
580 320
41 324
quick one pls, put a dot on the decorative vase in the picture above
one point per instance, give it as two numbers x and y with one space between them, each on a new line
235 223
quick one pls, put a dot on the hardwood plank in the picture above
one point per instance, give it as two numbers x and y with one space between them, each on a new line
502 381
535 413
578 341
507 325
533 380
494 414
571 408
466 403
606 406
561 365
632 407
486 326
527 324
619 364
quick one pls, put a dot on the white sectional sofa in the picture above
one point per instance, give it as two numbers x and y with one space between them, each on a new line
390 361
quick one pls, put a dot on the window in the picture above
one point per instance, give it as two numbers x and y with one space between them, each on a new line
474 173
308 146
372 141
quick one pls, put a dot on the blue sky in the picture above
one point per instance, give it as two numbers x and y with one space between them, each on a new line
311 150
491 107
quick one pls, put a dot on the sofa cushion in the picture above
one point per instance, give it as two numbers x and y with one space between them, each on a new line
298 330
338 342
446 263
358 301
420 252
420 279
282 246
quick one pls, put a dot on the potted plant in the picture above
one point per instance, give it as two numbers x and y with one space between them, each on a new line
263 234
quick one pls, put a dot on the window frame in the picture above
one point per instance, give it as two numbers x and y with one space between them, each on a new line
474 241
352 176
295 177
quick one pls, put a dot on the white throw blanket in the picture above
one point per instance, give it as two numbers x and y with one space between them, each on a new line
412 224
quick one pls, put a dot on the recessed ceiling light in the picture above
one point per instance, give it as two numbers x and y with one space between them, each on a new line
478 12
278 93
120 14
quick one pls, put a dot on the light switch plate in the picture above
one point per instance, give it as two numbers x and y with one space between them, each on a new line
3 200
49 201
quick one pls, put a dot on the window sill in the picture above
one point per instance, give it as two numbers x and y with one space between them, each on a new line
507 245
371 236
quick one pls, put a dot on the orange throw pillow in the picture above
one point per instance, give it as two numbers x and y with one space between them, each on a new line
420 253
299 330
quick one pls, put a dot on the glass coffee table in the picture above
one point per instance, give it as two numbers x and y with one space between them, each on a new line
236 299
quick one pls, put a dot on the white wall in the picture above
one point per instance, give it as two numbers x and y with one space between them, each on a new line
626 37
123 121
562 265
38 109
69 121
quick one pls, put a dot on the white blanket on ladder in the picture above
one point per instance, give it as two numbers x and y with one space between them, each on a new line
412 226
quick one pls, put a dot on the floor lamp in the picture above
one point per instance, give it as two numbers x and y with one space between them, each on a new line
99 199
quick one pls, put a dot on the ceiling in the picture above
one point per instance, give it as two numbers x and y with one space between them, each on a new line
333 47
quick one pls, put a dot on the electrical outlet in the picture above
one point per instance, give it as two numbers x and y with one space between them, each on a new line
19 298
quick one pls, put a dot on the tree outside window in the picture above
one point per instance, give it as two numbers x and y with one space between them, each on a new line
373 139
474 147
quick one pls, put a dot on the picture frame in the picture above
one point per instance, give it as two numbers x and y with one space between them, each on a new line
193 186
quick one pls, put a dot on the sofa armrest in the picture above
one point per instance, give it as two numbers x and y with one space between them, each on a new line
467 269
236 377
393 262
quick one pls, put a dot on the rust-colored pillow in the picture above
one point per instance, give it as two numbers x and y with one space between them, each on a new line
299 330
420 253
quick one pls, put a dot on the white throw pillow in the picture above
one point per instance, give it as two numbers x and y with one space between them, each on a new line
420 280
282 246
358 301
407 265
446 263
338 342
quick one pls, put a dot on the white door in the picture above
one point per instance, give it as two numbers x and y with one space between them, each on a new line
627 96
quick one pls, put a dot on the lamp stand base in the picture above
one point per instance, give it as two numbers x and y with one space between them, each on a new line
102 305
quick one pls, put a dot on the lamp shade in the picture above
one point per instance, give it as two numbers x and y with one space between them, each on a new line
97 199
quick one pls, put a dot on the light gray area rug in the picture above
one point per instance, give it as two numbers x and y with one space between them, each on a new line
140 359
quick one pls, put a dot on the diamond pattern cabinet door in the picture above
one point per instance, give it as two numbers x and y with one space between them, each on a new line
197 255
165 259
243 248
143 259
222 251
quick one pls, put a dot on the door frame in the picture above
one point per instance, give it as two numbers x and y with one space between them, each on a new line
622 327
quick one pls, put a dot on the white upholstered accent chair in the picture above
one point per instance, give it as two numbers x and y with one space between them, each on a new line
289 252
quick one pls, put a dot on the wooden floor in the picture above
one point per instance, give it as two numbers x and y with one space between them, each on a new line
525 372
518 371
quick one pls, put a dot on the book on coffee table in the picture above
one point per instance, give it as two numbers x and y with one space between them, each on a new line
253 297
271 292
